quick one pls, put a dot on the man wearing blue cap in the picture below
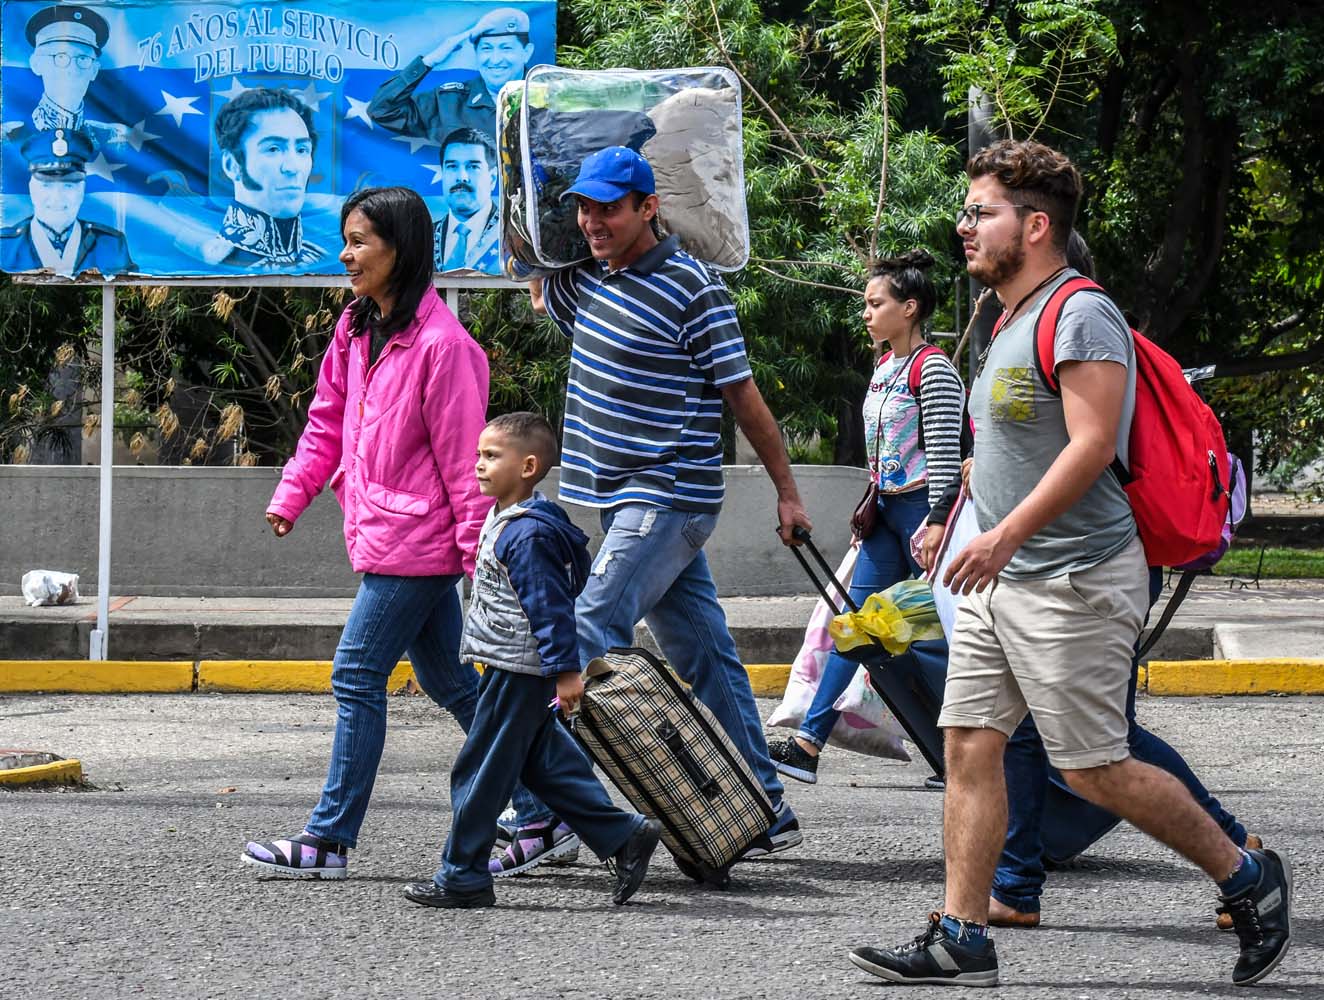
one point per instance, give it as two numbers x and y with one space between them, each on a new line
66 45
657 350
53 237
501 46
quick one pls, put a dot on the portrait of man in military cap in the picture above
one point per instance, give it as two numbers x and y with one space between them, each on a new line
54 237
465 238
501 49
66 45
266 140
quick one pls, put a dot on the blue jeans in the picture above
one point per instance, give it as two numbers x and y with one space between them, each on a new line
1019 879
884 559
651 567
392 614
516 736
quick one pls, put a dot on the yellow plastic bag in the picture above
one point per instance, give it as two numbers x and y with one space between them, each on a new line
901 614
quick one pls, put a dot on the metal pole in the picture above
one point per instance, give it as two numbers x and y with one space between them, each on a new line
981 131
98 643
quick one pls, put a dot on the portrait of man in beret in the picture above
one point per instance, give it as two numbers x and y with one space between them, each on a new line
501 49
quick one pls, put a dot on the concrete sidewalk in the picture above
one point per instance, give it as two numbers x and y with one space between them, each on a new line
1281 619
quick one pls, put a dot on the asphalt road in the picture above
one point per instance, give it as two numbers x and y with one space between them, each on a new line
134 888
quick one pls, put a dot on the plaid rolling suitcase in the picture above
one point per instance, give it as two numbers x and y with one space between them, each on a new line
911 685
671 759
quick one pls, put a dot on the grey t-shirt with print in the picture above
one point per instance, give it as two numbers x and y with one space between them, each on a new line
1020 430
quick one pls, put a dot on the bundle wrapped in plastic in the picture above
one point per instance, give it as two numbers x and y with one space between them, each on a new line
48 586
903 613
685 122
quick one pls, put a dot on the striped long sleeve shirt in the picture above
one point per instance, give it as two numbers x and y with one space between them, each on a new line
913 441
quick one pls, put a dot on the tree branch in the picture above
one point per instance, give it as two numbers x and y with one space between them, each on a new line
1312 355
772 113
881 25
811 284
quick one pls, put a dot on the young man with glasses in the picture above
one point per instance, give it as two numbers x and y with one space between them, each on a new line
1057 589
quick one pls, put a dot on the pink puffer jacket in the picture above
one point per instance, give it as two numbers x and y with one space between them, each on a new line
398 444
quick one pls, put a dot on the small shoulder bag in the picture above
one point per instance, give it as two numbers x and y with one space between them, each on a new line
864 520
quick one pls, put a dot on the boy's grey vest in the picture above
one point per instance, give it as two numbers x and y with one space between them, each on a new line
496 630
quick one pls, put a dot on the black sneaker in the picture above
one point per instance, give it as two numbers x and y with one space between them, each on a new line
933 957
631 861
791 760
1262 919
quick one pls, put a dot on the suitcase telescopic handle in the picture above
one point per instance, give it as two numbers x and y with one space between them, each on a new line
671 739
802 536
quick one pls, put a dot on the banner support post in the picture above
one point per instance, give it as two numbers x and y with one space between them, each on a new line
98 641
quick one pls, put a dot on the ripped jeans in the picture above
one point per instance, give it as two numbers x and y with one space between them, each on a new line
651 567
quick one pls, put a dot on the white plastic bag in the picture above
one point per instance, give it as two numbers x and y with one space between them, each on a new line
961 530
865 726
47 586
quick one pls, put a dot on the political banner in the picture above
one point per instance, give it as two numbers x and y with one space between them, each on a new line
213 139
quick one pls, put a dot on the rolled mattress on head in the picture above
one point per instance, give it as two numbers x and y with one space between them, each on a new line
685 122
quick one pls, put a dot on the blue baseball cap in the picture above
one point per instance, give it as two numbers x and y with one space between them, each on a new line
612 173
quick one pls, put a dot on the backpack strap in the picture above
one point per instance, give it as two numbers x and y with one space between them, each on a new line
1174 602
1045 331
913 378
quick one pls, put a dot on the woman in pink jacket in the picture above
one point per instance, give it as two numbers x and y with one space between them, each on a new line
401 399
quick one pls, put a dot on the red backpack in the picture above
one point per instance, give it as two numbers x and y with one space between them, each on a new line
1178 478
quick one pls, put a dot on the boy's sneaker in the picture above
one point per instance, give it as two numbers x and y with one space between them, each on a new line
507 827
1261 918
933 957
793 760
301 856
781 836
551 842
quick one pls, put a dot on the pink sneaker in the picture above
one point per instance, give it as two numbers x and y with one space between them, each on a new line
551 842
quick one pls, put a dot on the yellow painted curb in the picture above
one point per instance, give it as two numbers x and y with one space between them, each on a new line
1142 678
280 676
1207 677
96 676
768 679
60 772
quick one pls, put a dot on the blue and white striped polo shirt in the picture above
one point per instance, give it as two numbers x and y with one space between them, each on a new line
653 344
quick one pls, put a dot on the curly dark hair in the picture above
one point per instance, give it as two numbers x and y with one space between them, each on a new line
236 118
907 279
401 218
1039 178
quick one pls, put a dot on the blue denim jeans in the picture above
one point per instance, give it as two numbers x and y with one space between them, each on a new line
651 567
516 736
1020 876
392 615
884 559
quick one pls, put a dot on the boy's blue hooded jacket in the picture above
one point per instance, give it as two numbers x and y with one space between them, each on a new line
532 563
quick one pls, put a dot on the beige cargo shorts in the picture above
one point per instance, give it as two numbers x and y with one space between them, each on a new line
1059 648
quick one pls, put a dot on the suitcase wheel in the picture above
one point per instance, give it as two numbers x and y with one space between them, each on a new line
718 879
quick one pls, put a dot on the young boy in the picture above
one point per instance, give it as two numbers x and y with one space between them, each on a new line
532 562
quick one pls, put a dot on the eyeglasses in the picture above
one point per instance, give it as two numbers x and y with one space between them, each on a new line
63 59
970 215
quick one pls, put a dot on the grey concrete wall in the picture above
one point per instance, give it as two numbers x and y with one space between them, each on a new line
199 532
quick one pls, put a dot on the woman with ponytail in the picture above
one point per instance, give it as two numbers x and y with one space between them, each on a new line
913 440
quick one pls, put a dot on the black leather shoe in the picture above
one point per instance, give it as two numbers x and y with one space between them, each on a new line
430 894
632 860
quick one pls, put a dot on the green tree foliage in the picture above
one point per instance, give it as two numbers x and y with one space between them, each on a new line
1196 126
